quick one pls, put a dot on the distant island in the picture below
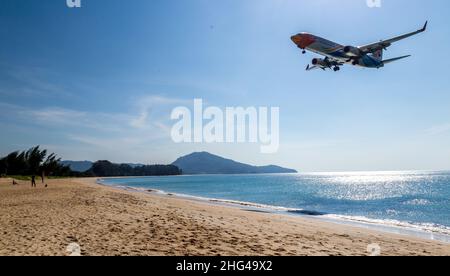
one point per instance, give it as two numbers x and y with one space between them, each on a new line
195 163
106 168
83 166
207 163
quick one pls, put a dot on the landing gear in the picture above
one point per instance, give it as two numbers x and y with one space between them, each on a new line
355 62
303 49
336 68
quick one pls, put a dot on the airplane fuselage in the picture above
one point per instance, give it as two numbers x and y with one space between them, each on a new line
333 50
336 55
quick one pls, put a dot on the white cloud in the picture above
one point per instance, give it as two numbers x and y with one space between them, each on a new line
153 100
154 110
37 81
106 134
57 115
141 121
62 117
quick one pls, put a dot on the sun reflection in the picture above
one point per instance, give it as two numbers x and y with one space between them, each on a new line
364 186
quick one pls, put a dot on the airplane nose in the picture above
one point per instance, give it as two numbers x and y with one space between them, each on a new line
303 40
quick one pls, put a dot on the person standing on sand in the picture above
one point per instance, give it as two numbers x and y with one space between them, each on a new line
33 181
43 179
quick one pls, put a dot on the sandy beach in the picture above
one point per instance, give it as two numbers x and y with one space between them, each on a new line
108 221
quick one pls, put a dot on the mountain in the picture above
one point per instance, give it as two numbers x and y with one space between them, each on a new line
207 163
77 166
196 163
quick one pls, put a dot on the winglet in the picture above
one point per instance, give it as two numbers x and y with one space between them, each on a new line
424 27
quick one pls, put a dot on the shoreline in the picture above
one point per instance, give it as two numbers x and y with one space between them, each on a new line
396 227
104 220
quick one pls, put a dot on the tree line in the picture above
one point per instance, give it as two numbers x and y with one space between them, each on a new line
106 168
33 162
37 162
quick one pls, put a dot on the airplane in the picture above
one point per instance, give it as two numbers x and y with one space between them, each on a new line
336 55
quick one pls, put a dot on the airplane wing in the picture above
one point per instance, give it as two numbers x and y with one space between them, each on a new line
371 48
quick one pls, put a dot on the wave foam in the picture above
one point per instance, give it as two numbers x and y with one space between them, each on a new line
422 227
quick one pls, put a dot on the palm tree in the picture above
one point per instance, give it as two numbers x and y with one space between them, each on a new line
51 164
32 162
34 158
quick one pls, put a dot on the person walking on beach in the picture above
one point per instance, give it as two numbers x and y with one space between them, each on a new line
43 179
33 181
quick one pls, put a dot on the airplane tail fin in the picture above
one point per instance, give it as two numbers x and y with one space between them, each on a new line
394 59
378 55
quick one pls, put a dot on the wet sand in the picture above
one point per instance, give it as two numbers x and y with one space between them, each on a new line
107 221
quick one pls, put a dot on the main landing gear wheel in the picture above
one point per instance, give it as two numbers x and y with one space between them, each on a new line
337 68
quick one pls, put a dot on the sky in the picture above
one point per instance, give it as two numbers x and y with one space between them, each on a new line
100 81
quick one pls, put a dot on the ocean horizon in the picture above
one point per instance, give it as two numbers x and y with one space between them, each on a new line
410 200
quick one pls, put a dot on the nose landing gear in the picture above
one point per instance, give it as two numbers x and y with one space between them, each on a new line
303 49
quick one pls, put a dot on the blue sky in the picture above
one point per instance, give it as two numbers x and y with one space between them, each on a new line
99 82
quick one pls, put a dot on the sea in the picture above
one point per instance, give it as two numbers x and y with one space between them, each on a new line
410 202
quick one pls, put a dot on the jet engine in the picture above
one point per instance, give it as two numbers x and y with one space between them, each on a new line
320 62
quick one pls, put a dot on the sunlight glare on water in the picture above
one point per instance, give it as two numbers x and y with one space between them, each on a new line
364 186
414 198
